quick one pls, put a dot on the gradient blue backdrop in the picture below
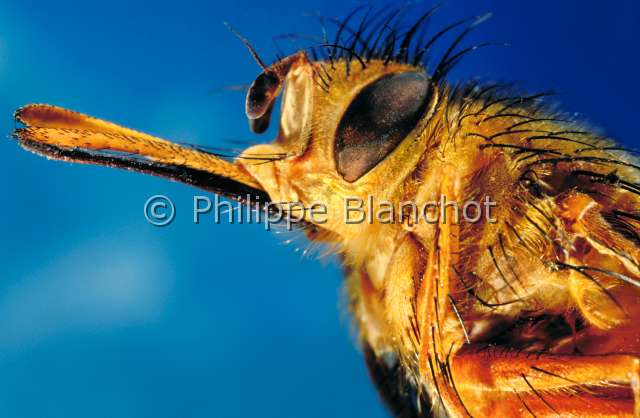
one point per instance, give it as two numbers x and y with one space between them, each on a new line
103 315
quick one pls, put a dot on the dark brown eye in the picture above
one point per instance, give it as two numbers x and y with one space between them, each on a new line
377 120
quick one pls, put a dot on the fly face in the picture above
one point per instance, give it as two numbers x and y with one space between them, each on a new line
345 129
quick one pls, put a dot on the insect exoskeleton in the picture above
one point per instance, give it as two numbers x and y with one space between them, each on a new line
527 310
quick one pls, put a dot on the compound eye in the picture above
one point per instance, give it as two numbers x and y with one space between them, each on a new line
377 120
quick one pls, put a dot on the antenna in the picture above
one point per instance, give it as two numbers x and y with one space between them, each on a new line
246 43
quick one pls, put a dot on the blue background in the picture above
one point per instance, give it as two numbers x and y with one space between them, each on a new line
104 315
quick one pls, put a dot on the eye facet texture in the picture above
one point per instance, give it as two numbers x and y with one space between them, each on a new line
377 120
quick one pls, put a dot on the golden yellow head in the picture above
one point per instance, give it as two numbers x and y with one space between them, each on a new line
346 128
